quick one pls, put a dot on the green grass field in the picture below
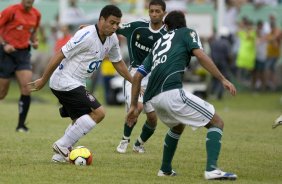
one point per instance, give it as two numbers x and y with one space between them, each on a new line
250 147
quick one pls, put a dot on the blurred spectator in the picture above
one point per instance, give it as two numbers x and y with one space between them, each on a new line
73 15
176 5
260 3
258 78
245 61
41 56
221 55
108 73
230 17
271 19
63 36
273 54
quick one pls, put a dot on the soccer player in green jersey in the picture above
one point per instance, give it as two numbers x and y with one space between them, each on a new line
173 105
141 36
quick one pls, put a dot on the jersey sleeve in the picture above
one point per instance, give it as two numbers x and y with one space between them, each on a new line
115 53
192 41
6 15
76 44
146 66
125 29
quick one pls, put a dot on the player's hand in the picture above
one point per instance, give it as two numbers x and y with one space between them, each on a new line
229 86
9 48
83 26
132 116
36 85
34 44
142 91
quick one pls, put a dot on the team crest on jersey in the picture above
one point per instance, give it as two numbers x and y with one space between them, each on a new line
137 36
90 97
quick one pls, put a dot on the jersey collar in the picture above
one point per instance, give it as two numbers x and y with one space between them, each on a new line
155 31
96 26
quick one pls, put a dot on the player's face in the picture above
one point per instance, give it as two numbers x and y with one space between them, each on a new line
110 25
27 3
156 14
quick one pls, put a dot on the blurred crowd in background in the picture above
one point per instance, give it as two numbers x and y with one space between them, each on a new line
247 48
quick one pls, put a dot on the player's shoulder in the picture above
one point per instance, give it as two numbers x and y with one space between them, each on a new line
36 11
187 31
13 7
135 24
84 33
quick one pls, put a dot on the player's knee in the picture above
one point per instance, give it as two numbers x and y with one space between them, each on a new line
178 129
25 91
98 114
216 121
3 94
152 119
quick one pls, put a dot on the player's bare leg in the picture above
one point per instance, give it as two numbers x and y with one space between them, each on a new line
23 77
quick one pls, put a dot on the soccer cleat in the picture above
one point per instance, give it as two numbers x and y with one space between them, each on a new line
139 149
63 151
161 173
121 148
277 122
58 158
22 128
219 175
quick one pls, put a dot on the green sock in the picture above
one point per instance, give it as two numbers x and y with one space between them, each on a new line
127 131
147 132
213 145
170 145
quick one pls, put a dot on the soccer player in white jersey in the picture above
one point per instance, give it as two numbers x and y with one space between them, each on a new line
70 68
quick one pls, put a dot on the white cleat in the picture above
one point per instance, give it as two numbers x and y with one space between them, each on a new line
58 158
139 149
277 122
161 173
121 148
63 151
219 175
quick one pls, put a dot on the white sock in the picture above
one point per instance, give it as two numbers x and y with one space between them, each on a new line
67 129
81 127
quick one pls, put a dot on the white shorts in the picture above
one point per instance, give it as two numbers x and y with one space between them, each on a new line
127 92
179 106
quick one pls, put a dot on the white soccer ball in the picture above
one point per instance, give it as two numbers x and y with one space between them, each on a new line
80 161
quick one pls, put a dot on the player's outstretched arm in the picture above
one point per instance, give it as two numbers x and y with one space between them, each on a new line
133 112
121 68
209 65
53 64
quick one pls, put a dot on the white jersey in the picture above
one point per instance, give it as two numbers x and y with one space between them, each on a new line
83 53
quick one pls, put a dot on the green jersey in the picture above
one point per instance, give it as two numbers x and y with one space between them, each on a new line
168 60
140 40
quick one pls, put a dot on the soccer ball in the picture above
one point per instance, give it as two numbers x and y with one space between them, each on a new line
80 155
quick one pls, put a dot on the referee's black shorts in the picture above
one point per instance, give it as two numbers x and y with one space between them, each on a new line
12 62
76 102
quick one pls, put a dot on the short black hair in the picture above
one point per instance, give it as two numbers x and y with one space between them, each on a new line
158 2
175 20
109 10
